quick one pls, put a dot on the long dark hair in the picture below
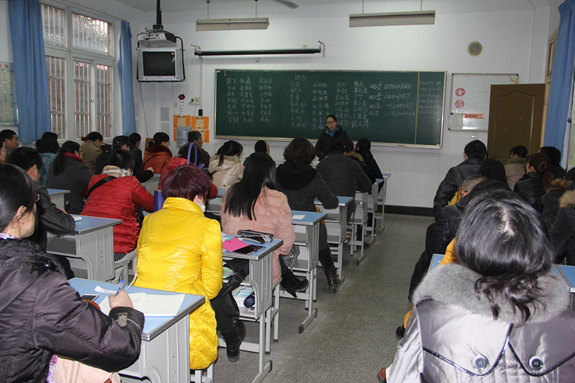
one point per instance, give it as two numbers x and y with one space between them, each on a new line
363 147
93 136
493 169
159 139
259 172
230 148
16 189
541 164
123 159
505 240
67 147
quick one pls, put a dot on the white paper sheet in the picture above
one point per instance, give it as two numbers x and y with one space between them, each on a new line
151 305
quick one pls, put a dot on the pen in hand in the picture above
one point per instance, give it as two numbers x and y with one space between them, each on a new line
120 287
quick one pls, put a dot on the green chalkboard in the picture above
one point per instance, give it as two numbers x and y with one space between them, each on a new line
400 108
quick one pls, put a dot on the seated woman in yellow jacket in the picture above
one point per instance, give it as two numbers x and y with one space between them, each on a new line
180 250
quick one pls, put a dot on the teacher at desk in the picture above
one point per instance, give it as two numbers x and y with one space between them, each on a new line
333 133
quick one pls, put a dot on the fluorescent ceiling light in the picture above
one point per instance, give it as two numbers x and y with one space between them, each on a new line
232 24
397 18
287 3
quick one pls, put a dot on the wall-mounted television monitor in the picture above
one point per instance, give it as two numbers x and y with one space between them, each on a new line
160 64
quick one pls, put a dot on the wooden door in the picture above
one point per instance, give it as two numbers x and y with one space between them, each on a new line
515 118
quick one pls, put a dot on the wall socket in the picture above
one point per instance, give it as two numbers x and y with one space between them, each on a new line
194 100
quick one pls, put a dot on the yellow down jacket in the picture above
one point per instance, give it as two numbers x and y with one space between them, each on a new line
181 250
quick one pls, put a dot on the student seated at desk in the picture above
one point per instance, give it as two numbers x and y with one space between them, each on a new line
180 250
48 148
225 166
343 175
49 217
116 193
302 184
69 172
41 315
158 153
500 315
363 148
255 204
92 148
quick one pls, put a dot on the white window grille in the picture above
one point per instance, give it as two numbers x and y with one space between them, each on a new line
80 64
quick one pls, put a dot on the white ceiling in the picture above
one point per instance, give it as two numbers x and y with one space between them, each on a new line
451 6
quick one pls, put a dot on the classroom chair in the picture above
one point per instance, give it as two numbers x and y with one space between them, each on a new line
122 265
203 376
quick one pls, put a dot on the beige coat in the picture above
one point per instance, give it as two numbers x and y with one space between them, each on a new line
272 215
515 169
228 173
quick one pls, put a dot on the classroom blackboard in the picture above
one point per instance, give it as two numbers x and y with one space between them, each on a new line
397 108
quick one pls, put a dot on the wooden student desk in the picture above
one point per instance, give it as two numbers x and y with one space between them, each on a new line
336 224
57 197
165 351
92 240
260 279
306 227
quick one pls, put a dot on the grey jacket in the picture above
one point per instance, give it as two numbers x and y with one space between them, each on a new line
452 336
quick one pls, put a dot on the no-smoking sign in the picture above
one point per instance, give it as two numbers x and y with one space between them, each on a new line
460 92
459 104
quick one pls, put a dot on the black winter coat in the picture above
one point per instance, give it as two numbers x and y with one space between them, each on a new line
75 177
344 177
42 315
550 201
530 188
50 218
448 222
452 181
563 230
302 184
325 140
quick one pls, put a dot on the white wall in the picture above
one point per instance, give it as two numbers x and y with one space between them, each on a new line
513 42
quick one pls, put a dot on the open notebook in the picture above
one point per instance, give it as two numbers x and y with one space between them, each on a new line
151 305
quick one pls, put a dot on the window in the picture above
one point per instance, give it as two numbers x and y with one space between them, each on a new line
80 65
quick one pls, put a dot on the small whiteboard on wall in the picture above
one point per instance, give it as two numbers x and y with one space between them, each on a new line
470 99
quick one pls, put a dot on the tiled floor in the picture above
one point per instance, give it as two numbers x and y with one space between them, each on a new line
353 335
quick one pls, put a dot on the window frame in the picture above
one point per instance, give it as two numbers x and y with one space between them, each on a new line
71 55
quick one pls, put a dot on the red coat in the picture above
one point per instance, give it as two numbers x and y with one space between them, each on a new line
156 157
173 163
119 199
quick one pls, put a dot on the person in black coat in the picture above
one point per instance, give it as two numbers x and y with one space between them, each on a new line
50 218
563 230
475 154
533 184
69 172
332 133
40 313
554 156
343 175
123 142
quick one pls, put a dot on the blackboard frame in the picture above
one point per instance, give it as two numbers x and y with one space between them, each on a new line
440 128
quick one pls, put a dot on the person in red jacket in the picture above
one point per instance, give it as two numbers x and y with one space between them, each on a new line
182 159
116 193
157 154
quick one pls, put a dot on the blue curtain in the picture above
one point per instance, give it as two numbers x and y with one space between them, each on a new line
125 75
558 108
29 69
